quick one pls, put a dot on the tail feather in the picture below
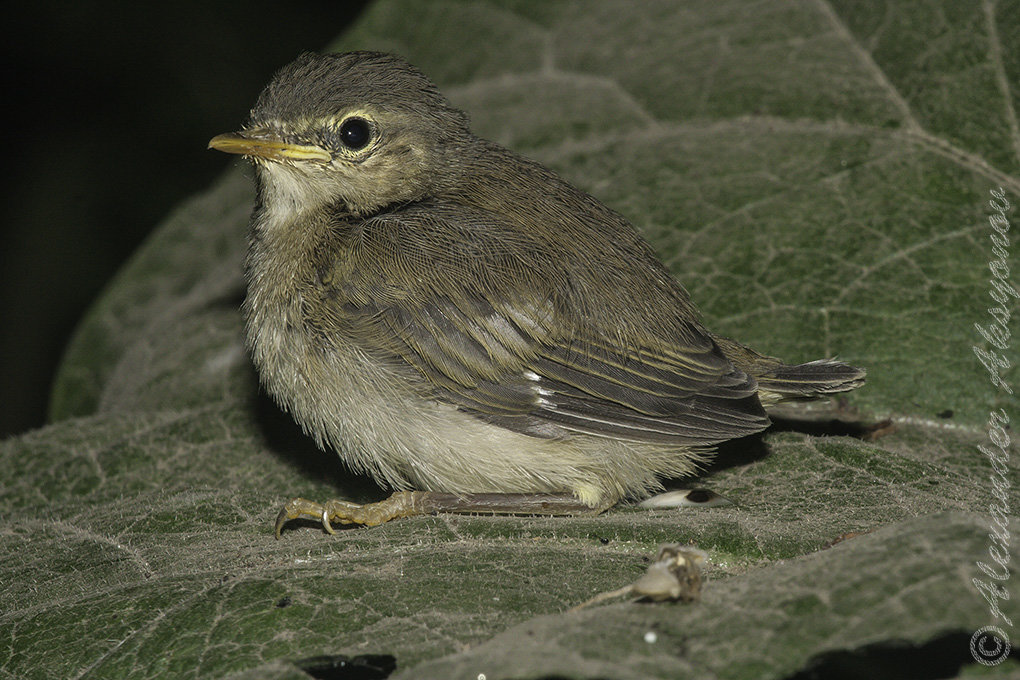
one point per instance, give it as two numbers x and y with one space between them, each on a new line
781 382
813 379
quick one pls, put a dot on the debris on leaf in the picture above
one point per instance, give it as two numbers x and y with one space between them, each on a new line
675 575
686 498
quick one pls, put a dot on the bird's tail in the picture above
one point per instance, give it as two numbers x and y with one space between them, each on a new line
781 382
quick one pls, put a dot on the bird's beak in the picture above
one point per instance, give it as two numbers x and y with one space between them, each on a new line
267 144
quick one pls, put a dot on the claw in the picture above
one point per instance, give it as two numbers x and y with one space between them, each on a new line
326 523
281 519
298 508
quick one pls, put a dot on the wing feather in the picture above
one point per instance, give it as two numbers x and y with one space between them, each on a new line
523 353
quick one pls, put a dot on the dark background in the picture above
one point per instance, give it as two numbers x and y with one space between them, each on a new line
109 108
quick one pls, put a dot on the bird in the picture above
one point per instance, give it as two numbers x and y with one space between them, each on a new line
464 325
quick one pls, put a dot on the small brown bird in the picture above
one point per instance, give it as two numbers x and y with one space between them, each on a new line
458 320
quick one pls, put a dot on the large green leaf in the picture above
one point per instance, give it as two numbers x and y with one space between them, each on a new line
817 174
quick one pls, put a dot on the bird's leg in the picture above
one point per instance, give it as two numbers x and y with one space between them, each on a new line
411 503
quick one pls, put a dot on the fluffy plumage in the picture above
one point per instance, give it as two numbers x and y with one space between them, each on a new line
449 316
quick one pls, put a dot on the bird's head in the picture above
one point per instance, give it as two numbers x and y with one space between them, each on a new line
360 131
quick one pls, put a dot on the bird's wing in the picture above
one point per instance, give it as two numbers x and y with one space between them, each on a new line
491 328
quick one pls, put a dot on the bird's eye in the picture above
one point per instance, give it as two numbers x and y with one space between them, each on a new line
355 133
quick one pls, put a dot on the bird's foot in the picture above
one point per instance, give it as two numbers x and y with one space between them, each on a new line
411 503
400 504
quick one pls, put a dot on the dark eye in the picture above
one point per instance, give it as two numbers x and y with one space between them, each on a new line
355 133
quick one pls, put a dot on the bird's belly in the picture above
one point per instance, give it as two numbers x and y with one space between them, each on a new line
382 423
385 421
